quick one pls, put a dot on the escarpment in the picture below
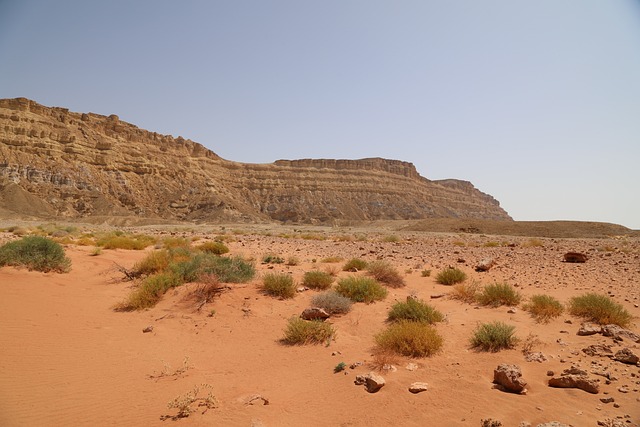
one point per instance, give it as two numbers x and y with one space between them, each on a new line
57 163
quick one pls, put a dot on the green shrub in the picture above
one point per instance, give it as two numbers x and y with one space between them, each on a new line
300 332
451 276
279 285
425 273
149 292
154 262
544 307
216 248
465 292
317 279
414 310
361 289
175 242
230 269
385 273
332 302
35 253
354 264
494 336
499 294
599 309
411 339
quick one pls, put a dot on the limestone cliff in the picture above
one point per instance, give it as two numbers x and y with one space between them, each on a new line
54 162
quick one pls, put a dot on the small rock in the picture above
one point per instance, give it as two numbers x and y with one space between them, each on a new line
418 387
576 381
575 257
618 333
607 399
436 296
254 399
314 313
148 329
597 350
623 389
512 311
335 353
355 365
302 289
411 367
550 373
509 377
626 356
553 424
372 382
389 368
537 356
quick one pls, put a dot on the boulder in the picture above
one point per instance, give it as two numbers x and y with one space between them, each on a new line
626 356
598 350
618 333
372 382
510 378
575 257
582 382
485 264
418 387
589 329
315 313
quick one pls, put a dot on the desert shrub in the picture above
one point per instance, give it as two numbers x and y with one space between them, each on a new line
361 289
279 285
183 403
465 292
205 291
425 273
117 240
175 242
331 259
154 262
494 336
391 238
386 273
300 331
149 292
216 248
339 367
272 259
498 294
354 264
451 276
414 310
412 339
35 253
491 244
543 307
292 260
600 309
533 243
312 236
230 269
317 279
332 302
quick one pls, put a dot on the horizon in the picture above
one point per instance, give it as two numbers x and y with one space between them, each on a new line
534 104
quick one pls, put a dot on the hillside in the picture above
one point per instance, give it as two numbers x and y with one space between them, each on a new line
59 164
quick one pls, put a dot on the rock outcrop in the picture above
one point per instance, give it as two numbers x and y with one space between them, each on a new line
57 163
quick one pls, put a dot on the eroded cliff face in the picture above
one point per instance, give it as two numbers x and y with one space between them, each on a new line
58 163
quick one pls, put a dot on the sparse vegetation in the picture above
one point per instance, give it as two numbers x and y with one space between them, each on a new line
543 308
414 310
466 292
494 336
361 289
332 302
599 309
425 273
317 280
119 240
175 242
184 403
339 367
35 253
533 243
391 238
215 247
272 259
411 339
279 285
451 276
300 332
332 259
385 273
498 294
292 260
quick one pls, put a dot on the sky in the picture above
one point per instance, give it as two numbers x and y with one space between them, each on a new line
535 102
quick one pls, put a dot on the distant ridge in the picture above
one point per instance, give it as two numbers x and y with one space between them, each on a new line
57 163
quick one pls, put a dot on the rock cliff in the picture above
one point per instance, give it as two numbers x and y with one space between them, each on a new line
57 163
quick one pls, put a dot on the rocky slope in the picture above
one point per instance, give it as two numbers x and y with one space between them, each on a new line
57 163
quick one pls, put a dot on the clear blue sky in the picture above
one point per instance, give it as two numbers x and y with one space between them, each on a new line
537 103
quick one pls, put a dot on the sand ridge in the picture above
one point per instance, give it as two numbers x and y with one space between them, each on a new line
67 358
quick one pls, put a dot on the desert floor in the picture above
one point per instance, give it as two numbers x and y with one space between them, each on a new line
68 359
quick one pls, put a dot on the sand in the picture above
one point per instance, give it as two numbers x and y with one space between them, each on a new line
67 358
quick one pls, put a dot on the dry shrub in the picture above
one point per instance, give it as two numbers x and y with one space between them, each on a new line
383 359
498 294
332 259
206 290
279 285
354 265
216 248
412 339
301 332
332 270
414 310
530 343
451 276
465 292
332 302
361 289
317 280
599 309
544 308
385 273
494 336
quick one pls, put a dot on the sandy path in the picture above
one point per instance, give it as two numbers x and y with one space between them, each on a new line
66 358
